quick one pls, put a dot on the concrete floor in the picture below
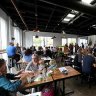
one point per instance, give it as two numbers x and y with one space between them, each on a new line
80 89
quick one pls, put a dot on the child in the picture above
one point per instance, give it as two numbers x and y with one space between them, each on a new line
52 64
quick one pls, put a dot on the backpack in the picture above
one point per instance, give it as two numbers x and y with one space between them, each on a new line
48 91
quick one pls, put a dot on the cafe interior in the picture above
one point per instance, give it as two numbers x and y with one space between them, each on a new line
47 48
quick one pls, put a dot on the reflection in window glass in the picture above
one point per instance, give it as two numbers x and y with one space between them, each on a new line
71 40
64 41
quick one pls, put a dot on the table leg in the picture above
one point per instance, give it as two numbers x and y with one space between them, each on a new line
55 85
63 93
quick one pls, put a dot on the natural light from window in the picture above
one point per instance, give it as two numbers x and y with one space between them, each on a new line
84 41
71 40
16 35
64 41
42 41
3 30
87 1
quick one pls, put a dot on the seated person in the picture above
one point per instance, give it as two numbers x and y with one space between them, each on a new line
18 49
11 50
40 51
88 60
52 64
41 64
78 60
27 56
7 85
36 64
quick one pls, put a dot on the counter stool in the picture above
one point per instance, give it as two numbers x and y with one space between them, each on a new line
11 62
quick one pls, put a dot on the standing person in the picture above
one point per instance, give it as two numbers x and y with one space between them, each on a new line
66 50
76 47
8 88
18 49
82 45
71 48
18 52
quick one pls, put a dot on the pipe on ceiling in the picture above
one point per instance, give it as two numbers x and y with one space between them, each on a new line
74 5
19 14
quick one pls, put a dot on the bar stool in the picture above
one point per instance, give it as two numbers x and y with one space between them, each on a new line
11 62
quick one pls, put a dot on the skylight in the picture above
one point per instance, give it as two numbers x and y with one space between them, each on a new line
74 12
71 15
66 20
87 1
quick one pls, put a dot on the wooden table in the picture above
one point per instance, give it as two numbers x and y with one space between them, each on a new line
38 83
58 76
2 51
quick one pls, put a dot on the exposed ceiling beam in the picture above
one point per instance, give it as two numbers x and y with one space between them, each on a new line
83 22
75 5
19 14
50 18
45 7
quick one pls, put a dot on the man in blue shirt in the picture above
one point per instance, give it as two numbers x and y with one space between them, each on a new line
11 50
6 84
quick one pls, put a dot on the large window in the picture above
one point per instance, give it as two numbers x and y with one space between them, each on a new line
48 41
3 34
64 41
42 41
71 40
3 37
84 41
17 35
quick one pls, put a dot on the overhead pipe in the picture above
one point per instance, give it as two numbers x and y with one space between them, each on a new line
19 14
74 5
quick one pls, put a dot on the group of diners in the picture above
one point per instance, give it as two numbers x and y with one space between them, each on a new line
34 67
84 60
